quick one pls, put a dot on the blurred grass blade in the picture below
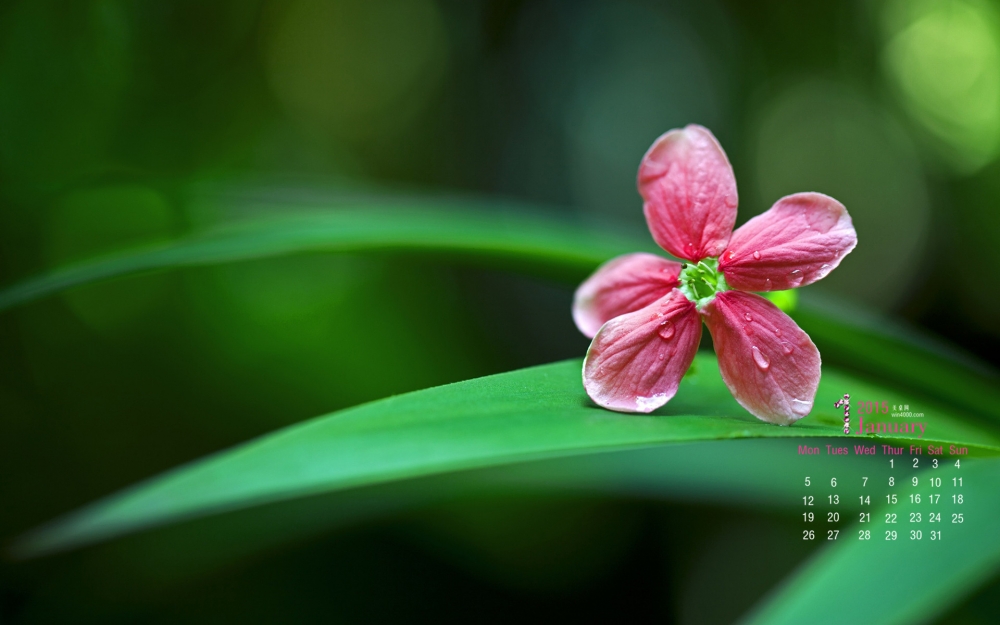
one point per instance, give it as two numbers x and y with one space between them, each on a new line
886 582
899 354
557 247
532 243
534 413
746 472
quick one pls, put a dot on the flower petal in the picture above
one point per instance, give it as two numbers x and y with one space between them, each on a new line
796 242
690 193
769 364
636 362
622 285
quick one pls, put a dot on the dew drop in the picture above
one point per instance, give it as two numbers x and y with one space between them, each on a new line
762 362
666 330
787 347
795 278
647 404
767 284
729 256
756 255
748 316
777 332
662 356
824 266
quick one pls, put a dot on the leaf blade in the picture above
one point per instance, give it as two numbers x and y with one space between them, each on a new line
512 237
859 581
530 414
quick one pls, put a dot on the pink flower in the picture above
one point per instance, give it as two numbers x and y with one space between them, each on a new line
644 312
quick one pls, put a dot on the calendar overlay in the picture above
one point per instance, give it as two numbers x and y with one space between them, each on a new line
900 492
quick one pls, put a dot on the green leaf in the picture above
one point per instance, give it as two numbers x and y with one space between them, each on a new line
535 413
881 581
511 237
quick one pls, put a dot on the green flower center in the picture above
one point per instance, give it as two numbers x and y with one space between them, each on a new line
701 281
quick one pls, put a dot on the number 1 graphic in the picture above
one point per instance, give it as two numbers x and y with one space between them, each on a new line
846 403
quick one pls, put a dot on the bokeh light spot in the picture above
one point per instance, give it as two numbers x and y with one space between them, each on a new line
822 137
944 59
351 68
331 330
91 222
605 81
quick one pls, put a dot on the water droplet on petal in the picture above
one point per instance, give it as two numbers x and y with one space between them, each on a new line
662 356
767 284
646 404
762 362
824 266
777 332
801 407
787 347
756 255
748 316
730 255
795 278
666 330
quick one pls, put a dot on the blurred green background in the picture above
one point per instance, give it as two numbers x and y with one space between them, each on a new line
123 124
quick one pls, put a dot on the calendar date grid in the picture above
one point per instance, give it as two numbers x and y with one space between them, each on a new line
927 490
